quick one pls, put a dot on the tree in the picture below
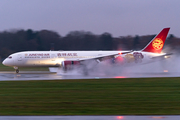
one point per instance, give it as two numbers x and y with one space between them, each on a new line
136 42
106 41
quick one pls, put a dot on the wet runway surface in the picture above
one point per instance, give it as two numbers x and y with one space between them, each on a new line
173 117
45 75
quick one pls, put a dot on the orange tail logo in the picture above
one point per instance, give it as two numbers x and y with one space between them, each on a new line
157 43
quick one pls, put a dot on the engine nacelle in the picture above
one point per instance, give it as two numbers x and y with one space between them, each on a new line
67 65
118 59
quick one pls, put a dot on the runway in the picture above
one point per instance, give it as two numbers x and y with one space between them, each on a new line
165 117
45 75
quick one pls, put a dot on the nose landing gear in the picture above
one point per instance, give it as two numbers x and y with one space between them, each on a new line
16 69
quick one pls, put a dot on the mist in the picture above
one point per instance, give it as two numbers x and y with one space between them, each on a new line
161 68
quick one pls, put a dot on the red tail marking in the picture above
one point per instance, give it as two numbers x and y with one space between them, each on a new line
157 43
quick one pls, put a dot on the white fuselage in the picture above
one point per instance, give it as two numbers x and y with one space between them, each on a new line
55 58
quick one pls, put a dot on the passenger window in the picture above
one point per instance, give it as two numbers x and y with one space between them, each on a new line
10 57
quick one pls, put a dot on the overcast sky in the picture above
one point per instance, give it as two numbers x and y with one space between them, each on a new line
118 17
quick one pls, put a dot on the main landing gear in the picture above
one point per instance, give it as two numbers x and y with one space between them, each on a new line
16 69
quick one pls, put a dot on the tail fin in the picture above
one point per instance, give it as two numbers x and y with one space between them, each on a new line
157 42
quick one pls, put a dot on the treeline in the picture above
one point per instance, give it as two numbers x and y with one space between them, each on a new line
28 40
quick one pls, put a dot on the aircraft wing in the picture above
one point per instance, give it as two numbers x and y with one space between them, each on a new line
105 57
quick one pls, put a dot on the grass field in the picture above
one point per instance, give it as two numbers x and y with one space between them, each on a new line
130 96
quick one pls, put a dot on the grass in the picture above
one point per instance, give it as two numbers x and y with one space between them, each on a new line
129 96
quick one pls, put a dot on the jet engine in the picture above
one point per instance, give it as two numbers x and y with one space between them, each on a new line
118 60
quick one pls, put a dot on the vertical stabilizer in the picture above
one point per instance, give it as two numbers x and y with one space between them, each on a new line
157 43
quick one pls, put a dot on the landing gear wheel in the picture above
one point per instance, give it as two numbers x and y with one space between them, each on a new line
16 68
17 71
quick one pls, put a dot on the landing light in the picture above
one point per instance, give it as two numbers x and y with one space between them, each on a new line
120 53
166 56
120 117
119 77
165 70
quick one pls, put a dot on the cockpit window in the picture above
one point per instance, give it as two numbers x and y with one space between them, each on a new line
10 57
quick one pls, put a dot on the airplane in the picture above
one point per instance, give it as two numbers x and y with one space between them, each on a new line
63 59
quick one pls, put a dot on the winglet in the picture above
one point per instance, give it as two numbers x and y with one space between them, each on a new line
157 43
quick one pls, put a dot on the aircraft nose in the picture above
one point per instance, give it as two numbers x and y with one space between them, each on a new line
7 62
